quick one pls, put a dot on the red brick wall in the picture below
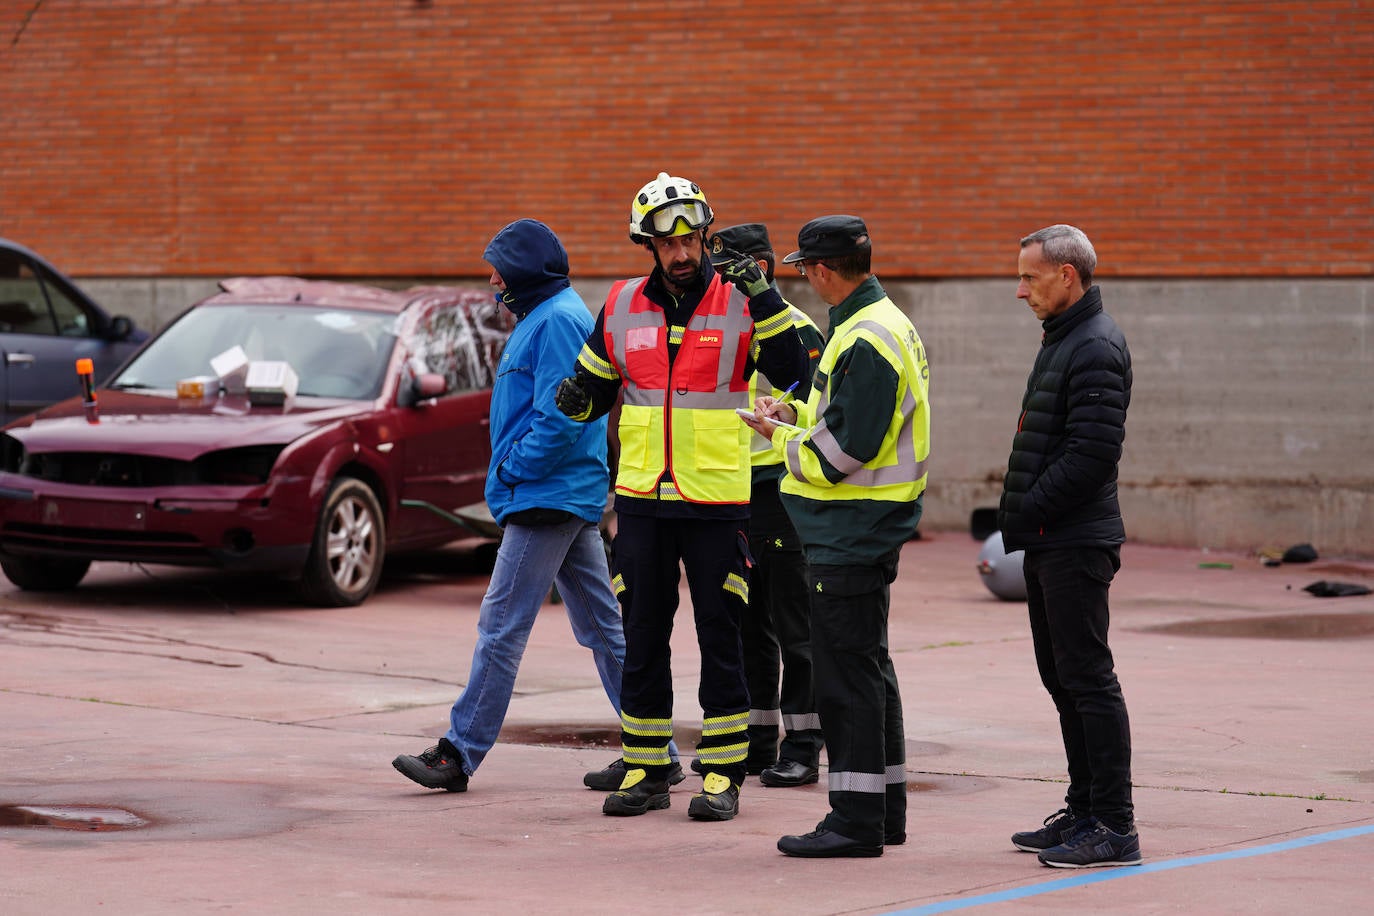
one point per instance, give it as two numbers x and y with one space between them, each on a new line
392 138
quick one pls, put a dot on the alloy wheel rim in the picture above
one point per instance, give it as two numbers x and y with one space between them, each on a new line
352 544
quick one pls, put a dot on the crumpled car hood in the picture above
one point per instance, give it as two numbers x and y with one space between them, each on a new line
169 427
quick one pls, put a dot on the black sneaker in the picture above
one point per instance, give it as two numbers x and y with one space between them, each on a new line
1059 826
718 799
1095 845
636 795
822 843
609 779
440 767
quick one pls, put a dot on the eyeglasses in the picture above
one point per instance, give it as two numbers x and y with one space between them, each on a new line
801 266
663 221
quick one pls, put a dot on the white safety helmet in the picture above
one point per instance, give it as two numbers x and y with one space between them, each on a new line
1001 571
668 206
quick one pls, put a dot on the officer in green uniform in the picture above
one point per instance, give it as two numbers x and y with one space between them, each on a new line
776 627
855 473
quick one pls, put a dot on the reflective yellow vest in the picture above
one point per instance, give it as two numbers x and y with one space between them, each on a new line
898 472
680 418
761 451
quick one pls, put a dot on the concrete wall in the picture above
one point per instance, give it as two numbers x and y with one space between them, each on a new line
1251 422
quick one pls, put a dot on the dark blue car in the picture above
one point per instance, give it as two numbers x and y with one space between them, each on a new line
46 325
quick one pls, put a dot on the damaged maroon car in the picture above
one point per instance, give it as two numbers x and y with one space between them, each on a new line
282 426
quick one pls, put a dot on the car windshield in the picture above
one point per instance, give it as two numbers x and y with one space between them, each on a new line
338 353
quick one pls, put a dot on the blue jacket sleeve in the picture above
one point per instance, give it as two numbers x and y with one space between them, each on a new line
551 433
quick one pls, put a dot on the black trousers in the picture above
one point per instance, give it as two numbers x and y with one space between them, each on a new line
1066 593
860 706
776 632
714 553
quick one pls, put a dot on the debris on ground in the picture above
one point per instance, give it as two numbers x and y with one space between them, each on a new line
1327 589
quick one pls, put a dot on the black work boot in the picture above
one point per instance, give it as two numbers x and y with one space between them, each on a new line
609 779
440 767
718 799
636 795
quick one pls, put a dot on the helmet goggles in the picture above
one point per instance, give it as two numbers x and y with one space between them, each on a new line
667 219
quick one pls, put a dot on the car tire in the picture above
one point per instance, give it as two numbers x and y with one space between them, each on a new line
346 557
45 574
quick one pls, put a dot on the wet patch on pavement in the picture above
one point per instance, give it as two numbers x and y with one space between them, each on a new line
574 734
1283 626
70 817
145 810
939 784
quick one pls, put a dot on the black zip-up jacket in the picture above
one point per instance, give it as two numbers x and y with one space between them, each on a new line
1060 489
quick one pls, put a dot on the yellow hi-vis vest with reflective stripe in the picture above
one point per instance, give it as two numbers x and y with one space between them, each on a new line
680 418
761 451
898 472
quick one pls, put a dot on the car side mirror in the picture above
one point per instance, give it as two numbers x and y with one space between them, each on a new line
422 387
121 326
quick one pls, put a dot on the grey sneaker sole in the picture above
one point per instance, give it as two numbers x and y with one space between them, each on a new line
1113 863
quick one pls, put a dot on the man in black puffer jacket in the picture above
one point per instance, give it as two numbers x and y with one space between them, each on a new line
1059 504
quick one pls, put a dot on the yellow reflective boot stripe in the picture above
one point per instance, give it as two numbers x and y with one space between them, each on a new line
723 725
723 754
654 756
646 728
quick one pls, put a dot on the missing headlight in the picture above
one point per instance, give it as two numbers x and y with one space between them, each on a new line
238 466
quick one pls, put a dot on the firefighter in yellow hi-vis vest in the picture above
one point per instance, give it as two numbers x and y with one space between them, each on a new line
678 343
776 631
856 470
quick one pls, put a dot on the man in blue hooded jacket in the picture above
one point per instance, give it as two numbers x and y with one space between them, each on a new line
546 487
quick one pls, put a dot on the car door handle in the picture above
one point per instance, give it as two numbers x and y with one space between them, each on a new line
19 359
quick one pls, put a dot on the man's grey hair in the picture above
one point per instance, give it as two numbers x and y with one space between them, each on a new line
1064 244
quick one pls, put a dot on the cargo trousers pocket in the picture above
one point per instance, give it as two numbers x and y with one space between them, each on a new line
847 605
737 580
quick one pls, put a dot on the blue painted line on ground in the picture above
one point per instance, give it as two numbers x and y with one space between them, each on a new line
1111 874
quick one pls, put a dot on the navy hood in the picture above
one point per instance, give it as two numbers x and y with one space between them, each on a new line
532 261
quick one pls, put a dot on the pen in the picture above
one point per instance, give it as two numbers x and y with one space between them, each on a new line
787 395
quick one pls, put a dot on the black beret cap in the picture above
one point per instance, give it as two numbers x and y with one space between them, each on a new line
829 237
746 238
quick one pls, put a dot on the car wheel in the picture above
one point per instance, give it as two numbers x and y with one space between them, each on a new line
350 543
45 574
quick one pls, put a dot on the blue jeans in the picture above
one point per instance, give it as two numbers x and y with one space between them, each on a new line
530 560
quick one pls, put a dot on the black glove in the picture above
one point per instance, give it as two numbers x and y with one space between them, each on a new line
572 398
743 271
